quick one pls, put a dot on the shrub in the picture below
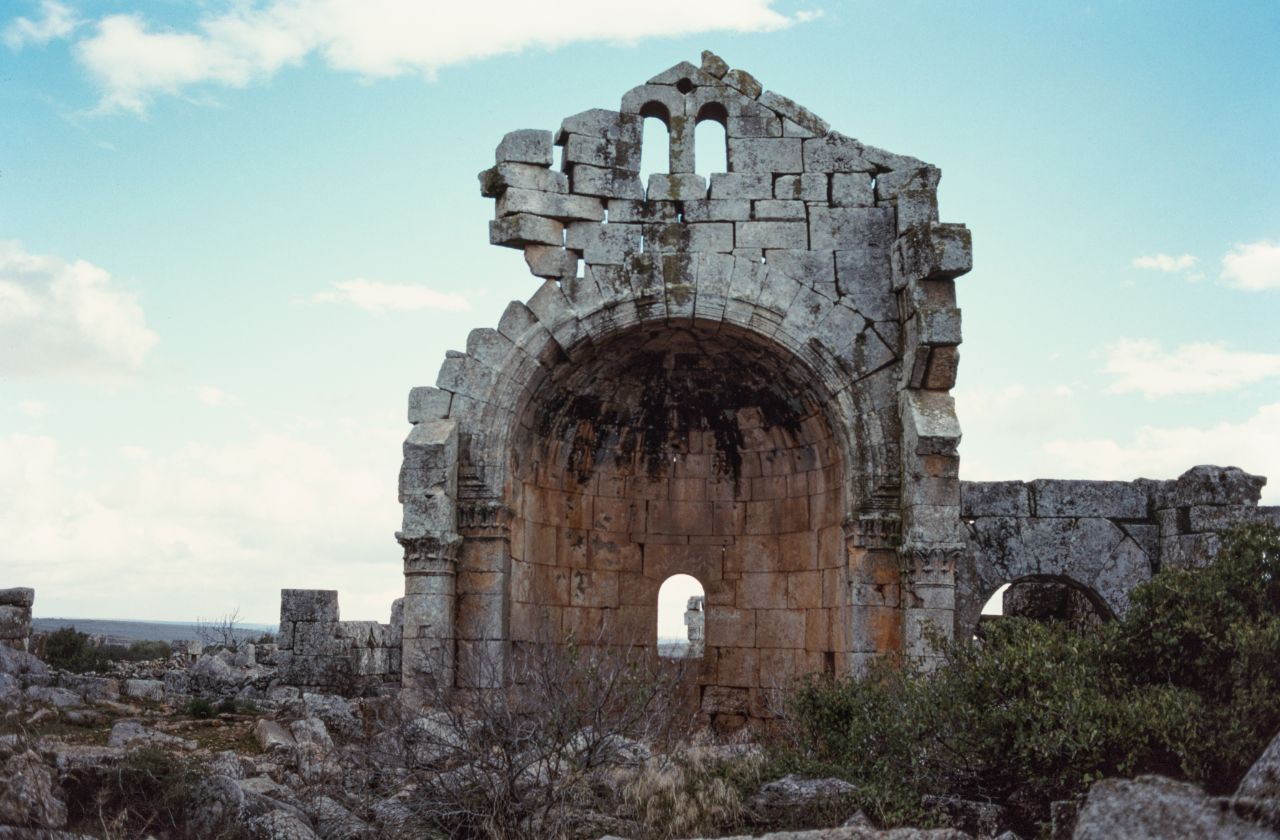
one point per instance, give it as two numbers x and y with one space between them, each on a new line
1184 685
689 796
71 650
199 708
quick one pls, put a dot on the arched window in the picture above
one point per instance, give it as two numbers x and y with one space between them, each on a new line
655 143
681 617
710 141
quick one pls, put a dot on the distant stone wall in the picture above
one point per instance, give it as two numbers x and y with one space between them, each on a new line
15 617
1104 537
695 620
318 651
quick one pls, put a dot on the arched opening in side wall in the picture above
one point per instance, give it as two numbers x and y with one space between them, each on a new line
710 141
655 142
1047 598
700 450
681 618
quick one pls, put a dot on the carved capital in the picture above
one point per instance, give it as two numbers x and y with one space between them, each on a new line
931 563
875 529
433 554
484 518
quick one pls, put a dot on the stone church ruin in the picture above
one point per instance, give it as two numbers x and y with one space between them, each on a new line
745 380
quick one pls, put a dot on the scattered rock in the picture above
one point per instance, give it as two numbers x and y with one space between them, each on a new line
1155 808
280 825
793 793
1263 779
58 697
271 734
30 795
144 689
132 733
333 821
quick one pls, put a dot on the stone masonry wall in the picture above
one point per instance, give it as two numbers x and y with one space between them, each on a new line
15 617
1103 537
320 652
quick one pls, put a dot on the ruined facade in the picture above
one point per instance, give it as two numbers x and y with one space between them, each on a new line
746 381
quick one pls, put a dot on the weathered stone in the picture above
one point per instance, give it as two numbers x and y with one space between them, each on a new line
549 261
741 80
782 154
522 176
774 209
851 228
1110 499
933 252
270 734
796 113
144 689
810 186
525 229
994 498
851 189
19 596
607 183
683 187
782 235
835 153
1263 779
717 210
527 145
1208 485
1154 808
714 65
131 733
308 605
611 244
29 795
739 185
552 205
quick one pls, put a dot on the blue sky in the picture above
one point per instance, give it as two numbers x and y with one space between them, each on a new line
234 234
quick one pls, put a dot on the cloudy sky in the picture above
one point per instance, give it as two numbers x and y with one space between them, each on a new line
233 233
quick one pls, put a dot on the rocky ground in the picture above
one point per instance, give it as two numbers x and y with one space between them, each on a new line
211 746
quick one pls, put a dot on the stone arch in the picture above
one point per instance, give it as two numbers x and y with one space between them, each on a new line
1090 553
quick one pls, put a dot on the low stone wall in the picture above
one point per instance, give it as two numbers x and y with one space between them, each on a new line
319 652
1104 537
15 617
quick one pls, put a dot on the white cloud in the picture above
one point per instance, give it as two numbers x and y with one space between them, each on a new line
59 316
1157 452
211 395
1198 368
203 528
57 21
374 296
1254 267
33 408
1165 263
133 61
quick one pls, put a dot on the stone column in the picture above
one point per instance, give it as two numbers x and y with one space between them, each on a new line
428 492
15 617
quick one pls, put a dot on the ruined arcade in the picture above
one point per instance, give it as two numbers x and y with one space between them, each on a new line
746 381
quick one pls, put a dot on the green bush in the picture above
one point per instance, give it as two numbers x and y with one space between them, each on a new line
71 650
199 708
1184 685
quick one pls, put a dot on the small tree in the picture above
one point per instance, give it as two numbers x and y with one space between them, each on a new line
222 632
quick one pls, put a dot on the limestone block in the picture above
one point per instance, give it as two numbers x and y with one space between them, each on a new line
798 114
676 187
551 261
430 458
599 122
780 155
780 628
683 72
144 689
863 280
524 229
495 180
528 145
994 498
552 205
638 99
714 65
1153 807
271 734
703 236
835 153
816 269
488 346
602 152
717 210
753 123
739 185
743 82
929 417
611 244
811 186
890 185
358 633
1109 499
18 596
15 622
791 128
308 605
314 638
887 161
915 209
427 403
933 252
1188 551
606 183
851 189
1210 485
621 210
1222 517
938 326
851 228
780 235
769 209
724 700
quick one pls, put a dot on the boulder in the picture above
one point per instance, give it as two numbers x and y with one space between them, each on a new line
1154 808
60 698
19 662
280 825
144 689
29 795
792 794
127 733
1263 779
271 734
333 821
